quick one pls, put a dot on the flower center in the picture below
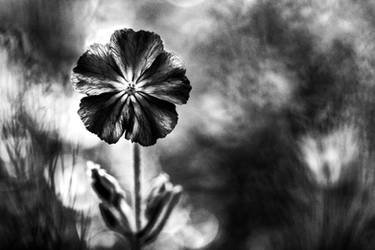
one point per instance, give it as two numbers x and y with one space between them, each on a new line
130 89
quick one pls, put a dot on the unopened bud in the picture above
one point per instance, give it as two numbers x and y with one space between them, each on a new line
105 186
158 186
115 220
158 196
161 201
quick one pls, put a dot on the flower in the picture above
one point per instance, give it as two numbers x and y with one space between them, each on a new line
132 85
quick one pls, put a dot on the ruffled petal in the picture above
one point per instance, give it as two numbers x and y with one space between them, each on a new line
153 119
166 79
104 115
134 52
96 72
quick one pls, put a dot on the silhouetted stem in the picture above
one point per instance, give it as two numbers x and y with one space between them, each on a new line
137 193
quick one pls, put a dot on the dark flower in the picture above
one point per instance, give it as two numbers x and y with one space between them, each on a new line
132 85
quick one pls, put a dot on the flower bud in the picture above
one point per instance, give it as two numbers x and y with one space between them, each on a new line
105 186
158 185
114 220
160 203
159 195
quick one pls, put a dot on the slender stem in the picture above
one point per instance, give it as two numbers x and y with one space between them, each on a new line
137 193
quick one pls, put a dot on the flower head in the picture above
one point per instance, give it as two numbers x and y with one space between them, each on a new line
132 85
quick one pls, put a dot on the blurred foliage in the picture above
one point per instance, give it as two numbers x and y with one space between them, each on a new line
32 215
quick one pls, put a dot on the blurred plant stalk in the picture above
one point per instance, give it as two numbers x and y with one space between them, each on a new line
118 214
137 193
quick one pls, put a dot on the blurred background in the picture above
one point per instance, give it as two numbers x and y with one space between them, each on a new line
274 148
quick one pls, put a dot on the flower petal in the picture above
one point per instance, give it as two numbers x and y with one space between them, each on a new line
139 128
96 72
104 116
154 119
134 52
166 79
161 114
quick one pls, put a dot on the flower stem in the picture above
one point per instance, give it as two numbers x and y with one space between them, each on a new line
137 193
